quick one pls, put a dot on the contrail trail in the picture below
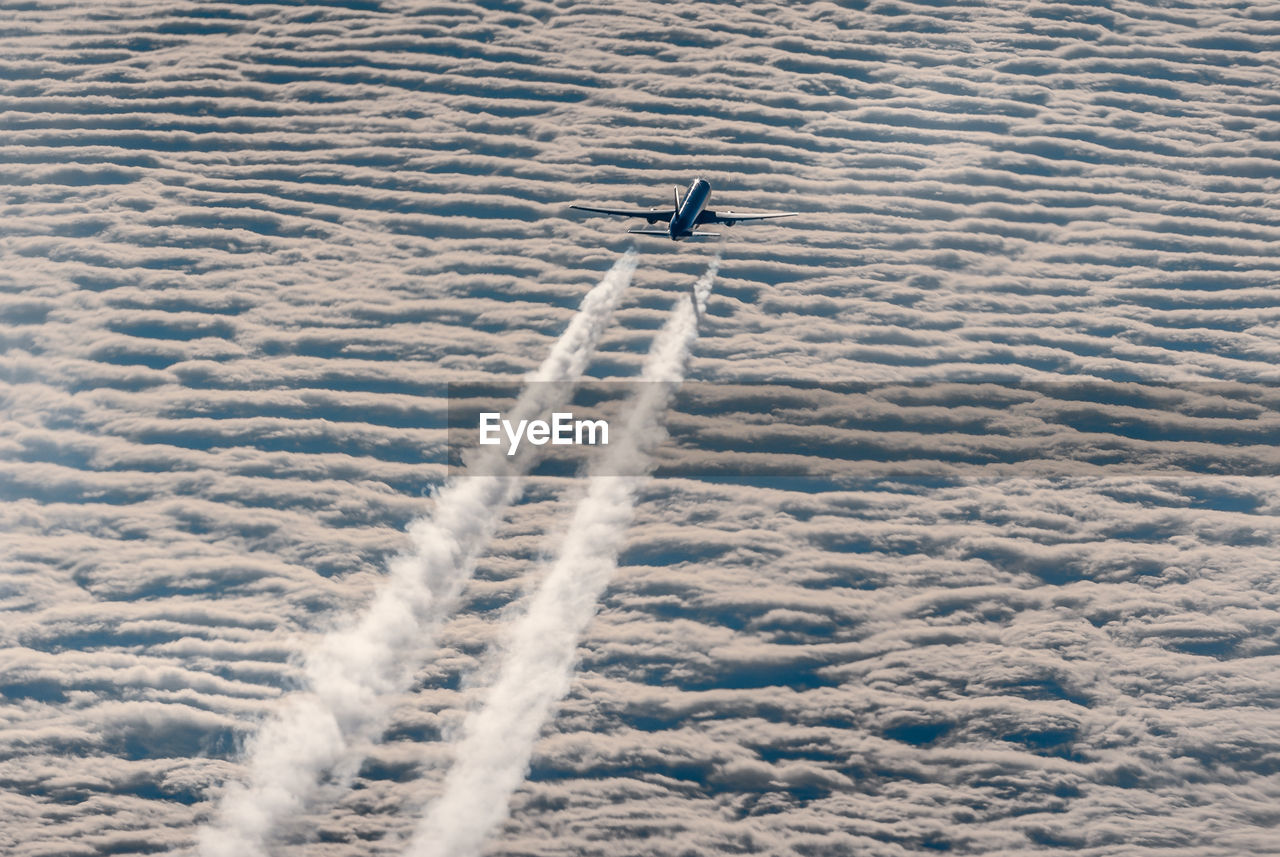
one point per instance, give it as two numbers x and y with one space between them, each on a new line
354 673
493 754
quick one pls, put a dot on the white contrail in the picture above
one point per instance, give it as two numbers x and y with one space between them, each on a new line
354 673
497 740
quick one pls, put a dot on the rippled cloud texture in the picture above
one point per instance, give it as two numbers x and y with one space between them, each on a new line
245 246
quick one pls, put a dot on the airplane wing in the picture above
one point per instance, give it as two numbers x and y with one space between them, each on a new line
732 217
653 215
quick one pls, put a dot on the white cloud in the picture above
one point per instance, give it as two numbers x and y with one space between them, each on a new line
245 245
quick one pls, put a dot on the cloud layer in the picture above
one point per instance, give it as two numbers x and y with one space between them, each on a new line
247 245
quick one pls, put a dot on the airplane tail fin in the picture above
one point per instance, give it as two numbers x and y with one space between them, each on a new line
676 190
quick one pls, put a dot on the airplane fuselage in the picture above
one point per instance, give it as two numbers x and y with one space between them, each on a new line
686 217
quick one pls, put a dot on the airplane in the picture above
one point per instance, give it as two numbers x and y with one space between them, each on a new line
687 214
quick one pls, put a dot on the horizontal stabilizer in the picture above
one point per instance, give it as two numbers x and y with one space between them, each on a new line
665 234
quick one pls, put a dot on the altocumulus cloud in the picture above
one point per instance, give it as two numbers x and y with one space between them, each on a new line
1028 606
